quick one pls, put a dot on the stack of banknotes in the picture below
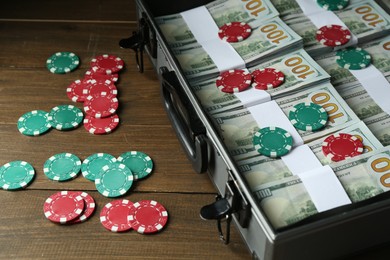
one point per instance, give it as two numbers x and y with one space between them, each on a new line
356 100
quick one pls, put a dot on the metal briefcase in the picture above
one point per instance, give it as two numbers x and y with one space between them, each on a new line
335 233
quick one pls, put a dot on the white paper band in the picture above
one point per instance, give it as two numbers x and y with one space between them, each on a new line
320 17
301 159
376 85
270 114
309 6
205 31
320 181
253 96
324 188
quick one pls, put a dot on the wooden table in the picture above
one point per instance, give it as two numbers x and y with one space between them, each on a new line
31 31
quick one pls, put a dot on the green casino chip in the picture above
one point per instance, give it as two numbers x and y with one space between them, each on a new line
65 117
34 123
272 141
114 180
353 58
62 62
333 5
308 116
140 164
92 165
16 175
62 167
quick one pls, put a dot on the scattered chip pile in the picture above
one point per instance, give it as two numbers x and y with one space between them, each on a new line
113 177
67 207
98 93
145 216
61 117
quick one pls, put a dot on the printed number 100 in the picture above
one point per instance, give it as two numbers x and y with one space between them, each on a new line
254 6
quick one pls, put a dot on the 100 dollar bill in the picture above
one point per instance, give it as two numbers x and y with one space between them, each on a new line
287 201
254 12
300 71
238 127
272 37
365 19
379 51
260 170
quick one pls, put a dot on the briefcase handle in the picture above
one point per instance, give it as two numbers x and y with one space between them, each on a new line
189 129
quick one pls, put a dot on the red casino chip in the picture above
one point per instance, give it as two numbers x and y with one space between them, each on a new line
114 215
100 86
333 35
76 90
107 64
267 78
234 31
101 105
100 126
63 207
148 216
338 147
90 74
234 81
89 207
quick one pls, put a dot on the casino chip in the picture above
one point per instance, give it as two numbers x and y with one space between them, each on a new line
114 180
267 78
272 141
90 74
308 116
63 207
92 165
234 31
114 215
34 123
353 58
101 105
89 208
16 175
107 64
148 216
100 86
234 81
76 90
65 117
99 126
140 164
338 147
333 35
333 5
62 167
62 62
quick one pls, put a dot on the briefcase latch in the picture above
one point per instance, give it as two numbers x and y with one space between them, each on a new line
143 38
223 209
